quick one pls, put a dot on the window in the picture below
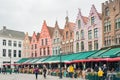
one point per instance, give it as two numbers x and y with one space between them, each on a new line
53 52
40 52
54 40
42 42
35 54
82 46
90 45
56 33
46 41
4 42
90 34
117 39
66 34
77 47
15 44
82 34
58 40
19 44
107 26
77 35
48 50
14 53
9 53
107 41
9 43
96 45
35 46
107 12
32 55
19 53
44 52
71 34
92 20
4 52
117 23
79 24
96 33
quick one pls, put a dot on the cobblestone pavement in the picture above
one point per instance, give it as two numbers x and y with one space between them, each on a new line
31 77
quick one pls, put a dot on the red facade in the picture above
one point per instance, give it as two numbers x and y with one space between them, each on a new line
33 45
45 41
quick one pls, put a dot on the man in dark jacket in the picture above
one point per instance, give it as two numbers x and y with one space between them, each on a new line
36 71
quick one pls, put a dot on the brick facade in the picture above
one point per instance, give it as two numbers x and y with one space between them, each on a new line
68 37
45 40
111 23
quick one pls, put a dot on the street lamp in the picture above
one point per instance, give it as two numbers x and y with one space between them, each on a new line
10 64
60 64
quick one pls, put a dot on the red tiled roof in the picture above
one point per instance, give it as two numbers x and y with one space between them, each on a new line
37 36
61 31
30 38
71 25
51 29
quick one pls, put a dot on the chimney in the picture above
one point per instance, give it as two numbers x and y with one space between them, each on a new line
4 27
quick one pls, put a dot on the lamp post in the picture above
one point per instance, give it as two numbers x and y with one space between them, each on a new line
10 64
60 64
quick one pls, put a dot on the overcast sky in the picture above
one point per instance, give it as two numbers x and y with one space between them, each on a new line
28 15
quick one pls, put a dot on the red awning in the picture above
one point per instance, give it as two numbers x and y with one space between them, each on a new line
97 60
114 59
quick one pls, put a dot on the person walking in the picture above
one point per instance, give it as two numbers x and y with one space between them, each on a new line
104 68
44 71
36 71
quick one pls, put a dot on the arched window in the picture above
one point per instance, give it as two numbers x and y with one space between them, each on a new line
66 34
82 34
82 46
77 47
77 35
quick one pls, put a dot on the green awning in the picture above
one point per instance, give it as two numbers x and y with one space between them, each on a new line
28 61
98 53
84 55
111 53
40 60
22 60
68 57
49 59
34 60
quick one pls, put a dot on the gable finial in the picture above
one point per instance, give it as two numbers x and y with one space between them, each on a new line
67 19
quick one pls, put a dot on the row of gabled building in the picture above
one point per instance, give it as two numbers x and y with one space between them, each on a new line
88 33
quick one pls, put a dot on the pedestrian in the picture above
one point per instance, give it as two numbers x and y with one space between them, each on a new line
71 71
100 74
44 71
0 70
36 71
96 68
104 68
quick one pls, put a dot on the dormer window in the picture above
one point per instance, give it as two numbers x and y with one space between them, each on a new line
92 20
79 23
107 12
66 34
